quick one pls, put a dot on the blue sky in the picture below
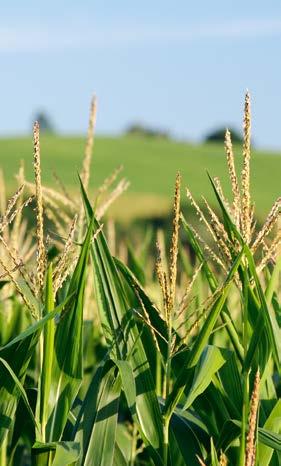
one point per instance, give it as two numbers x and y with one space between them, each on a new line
178 65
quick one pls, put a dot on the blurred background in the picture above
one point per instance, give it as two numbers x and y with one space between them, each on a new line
169 78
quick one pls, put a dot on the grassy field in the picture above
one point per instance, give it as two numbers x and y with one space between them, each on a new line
149 165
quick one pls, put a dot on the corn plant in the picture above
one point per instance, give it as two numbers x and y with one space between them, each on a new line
191 378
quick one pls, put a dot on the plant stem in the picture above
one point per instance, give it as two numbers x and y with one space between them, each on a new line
166 440
3 451
244 419
245 375
158 374
167 391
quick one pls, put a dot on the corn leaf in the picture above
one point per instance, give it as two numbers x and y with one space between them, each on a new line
23 346
66 453
183 439
115 311
271 326
232 428
97 420
272 424
213 284
230 379
183 379
67 367
214 456
123 443
47 356
156 321
20 389
211 360
55 453
119 459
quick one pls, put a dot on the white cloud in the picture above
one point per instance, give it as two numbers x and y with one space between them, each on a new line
30 39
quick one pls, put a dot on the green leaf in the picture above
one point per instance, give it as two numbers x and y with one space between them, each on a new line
23 425
48 351
128 383
20 389
273 281
211 360
23 346
271 439
123 444
67 367
273 333
271 326
119 459
213 408
230 379
97 420
135 266
37 326
66 453
229 432
214 456
213 284
232 429
55 453
115 313
153 313
183 439
259 349
183 379
272 424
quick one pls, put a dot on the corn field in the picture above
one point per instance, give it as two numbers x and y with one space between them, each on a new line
115 356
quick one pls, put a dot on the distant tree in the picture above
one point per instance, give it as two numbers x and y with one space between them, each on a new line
219 134
46 125
140 130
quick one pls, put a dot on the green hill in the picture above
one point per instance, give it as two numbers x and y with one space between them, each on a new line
149 165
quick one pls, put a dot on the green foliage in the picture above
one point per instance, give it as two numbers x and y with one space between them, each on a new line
46 125
218 135
153 394
139 130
